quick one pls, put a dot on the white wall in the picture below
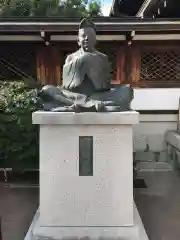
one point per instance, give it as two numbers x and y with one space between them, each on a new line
156 99
149 133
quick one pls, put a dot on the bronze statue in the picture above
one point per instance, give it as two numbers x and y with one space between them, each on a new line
86 80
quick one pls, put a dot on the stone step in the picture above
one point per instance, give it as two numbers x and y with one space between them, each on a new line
153 166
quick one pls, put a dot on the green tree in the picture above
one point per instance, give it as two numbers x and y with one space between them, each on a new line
45 8
94 8
73 8
15 8
48 8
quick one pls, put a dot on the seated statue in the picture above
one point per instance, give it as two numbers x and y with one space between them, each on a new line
86 82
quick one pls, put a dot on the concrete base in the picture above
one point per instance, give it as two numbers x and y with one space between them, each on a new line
136 232
103 198
153 167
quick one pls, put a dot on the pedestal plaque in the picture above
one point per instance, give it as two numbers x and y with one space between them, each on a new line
85 156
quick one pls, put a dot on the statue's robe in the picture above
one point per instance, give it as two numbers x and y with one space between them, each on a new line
86 73
86 83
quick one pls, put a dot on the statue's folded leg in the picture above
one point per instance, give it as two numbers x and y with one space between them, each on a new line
116 99
58 99
54 94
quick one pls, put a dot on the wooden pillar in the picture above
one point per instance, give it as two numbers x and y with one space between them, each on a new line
136 66
48 65
128 64
131 65
120 60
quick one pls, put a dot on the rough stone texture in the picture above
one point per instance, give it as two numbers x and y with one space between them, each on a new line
96 206
156 142
136 232
144 156
173 138
86 118
173 148
154 166
149 142
163 156
149 135
178 156
149 156
90 200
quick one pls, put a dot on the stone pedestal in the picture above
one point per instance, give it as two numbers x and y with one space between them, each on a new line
86 177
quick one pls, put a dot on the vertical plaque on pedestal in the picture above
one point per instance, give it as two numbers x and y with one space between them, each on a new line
85 156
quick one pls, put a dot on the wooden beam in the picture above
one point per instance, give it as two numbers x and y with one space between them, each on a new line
156 37
99 37
19 38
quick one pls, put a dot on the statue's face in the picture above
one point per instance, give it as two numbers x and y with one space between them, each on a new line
87 39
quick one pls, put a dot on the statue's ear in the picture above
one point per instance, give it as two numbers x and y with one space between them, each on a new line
78 41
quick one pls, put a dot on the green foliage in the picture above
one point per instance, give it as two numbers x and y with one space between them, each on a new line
48 8
18 136
94 8
16 8
45 8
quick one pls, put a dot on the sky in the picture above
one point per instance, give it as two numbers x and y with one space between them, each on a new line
106 6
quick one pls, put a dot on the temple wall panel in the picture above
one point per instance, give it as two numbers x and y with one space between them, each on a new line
156 65
48 65
17 60
143 64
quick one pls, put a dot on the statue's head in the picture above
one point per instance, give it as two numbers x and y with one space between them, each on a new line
87 35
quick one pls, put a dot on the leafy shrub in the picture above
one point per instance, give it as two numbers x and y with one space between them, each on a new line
18 136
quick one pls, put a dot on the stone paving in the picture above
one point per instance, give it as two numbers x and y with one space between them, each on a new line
17 207
159 207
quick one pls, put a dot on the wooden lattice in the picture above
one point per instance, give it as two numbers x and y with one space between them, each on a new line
17 60
161 65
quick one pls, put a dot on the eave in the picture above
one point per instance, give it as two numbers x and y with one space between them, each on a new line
108 29
105 24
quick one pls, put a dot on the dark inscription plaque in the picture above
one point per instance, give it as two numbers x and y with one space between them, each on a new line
85 156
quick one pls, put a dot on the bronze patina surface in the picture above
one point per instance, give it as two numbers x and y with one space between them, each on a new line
86 81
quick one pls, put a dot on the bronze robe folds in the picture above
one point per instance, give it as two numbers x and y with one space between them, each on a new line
86 86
